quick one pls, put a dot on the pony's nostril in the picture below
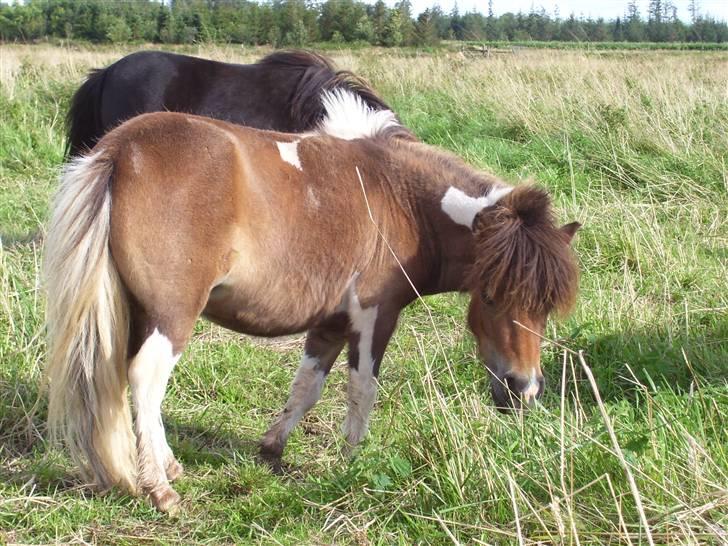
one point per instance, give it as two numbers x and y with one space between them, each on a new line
515 383
527 389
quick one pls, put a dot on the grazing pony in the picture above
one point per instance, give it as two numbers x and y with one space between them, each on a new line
173 216
281 92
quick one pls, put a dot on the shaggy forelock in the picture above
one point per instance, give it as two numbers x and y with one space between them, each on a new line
522 260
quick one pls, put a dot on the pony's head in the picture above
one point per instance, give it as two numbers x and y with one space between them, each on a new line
524 269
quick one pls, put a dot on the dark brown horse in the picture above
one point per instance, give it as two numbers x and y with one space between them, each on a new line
281 92
173 216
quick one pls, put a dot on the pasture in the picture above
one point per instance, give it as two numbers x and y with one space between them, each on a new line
629 444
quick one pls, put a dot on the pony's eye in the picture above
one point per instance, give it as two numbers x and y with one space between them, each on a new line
486 300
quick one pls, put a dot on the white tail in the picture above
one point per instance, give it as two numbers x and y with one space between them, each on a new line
88 329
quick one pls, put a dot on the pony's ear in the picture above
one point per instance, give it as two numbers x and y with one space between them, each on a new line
570 230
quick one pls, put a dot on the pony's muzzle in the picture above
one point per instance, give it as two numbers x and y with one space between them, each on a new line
516 391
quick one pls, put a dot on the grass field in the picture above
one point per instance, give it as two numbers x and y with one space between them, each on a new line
612 46
632 145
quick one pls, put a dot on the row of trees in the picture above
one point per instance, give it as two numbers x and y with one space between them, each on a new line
297 22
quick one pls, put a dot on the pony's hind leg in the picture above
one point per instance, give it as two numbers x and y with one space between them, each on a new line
323 345
148 374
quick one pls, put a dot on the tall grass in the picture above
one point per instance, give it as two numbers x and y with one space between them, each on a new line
634 146
608 46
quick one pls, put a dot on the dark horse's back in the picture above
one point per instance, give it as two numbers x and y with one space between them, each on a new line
281 92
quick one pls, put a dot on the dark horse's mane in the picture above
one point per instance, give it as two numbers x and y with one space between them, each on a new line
304 75
320 75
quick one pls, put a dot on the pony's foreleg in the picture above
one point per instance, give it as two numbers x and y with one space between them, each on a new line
148 374
370 334
323 345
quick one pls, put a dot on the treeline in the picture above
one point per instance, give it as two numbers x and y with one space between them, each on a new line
298 22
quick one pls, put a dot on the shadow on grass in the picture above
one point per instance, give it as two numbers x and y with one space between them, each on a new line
624 363
195 445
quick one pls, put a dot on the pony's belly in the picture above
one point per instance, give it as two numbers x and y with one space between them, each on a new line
260 316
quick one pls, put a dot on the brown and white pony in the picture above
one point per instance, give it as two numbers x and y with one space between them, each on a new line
173 216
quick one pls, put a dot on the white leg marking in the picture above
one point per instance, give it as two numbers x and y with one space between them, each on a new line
362 388
148 375
462 208
305 392
362 396
289 153
348 117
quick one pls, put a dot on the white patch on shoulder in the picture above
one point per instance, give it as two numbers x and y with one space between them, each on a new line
348 117
289 153
137 158
462 208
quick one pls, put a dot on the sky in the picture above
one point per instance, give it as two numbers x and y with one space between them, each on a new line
608 9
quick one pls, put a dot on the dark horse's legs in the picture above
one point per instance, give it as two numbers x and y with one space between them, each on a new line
323 345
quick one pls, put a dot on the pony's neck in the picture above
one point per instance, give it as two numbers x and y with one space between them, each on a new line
448 195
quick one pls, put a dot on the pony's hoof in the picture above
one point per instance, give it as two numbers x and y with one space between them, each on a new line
174 469
271 455
271 451
348 450
166 500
